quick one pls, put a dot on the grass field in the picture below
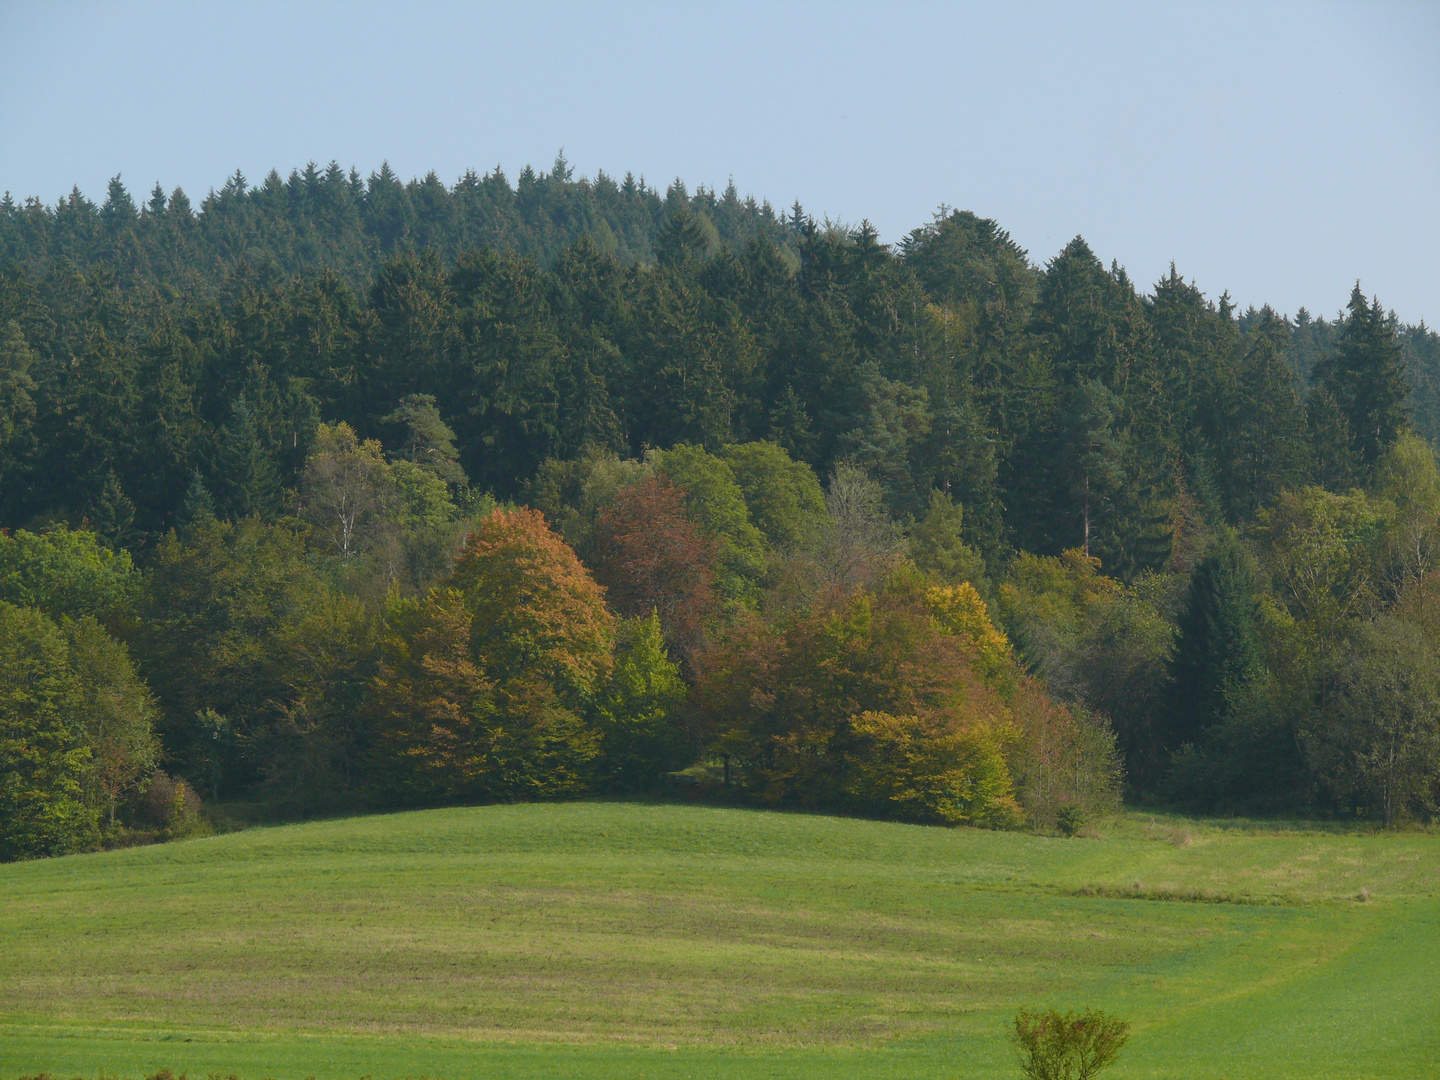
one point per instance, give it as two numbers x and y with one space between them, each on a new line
619 940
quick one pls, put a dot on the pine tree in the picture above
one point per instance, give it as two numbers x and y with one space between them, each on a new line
1366 376
429 442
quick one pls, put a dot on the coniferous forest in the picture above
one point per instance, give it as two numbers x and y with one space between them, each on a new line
333 493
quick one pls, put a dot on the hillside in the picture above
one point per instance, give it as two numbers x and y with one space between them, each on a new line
607 940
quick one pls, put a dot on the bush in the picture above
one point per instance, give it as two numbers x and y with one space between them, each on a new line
1070 818
1067 1046
170 806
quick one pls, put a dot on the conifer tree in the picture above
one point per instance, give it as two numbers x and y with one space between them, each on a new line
113 514
199 505
429 442
1270 447
1334 458
1366 377
17 406
1093 452
1218 651
251 486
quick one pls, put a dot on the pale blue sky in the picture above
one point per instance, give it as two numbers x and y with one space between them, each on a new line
1277 150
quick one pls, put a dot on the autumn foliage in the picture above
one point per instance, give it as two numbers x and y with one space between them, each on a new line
870 703
485 685
652 558
538 613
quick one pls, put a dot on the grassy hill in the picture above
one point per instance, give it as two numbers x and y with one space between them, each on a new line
623 940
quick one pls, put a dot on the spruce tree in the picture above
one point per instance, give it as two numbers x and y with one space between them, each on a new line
113 515
1334 460
1366 377
1093 454
245 468
17 406
1269 444
1218 651
199 505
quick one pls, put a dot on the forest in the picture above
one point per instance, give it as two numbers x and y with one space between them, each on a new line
338 493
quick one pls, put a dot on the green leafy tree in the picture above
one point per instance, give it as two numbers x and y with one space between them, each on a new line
1380 740
221 633
1321 551
115 711
783 496
715 502
68 572
1409 479
638 715
1098 644
936 545
44 762
346 492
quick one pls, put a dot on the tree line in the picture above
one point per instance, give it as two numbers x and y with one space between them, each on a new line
771 509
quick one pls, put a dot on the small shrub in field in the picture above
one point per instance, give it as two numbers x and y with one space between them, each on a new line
1052 1045
171 806
1070 818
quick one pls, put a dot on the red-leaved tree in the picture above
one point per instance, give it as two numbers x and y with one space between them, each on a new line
651 557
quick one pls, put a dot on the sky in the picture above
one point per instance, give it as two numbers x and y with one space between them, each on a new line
1279 151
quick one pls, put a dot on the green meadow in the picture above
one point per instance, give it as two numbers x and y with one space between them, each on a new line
605 940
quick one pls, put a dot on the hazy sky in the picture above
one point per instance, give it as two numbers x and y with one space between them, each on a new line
1280 151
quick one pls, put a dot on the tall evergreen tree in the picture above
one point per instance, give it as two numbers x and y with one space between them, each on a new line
428 442
1366 377
245 469
1093 455
1218 652
113 514
199 505
1335 461
1269 445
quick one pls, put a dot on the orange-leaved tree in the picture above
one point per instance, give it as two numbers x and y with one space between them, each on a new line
486 684
538 612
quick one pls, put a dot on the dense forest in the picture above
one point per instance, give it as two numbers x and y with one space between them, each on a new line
336 493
